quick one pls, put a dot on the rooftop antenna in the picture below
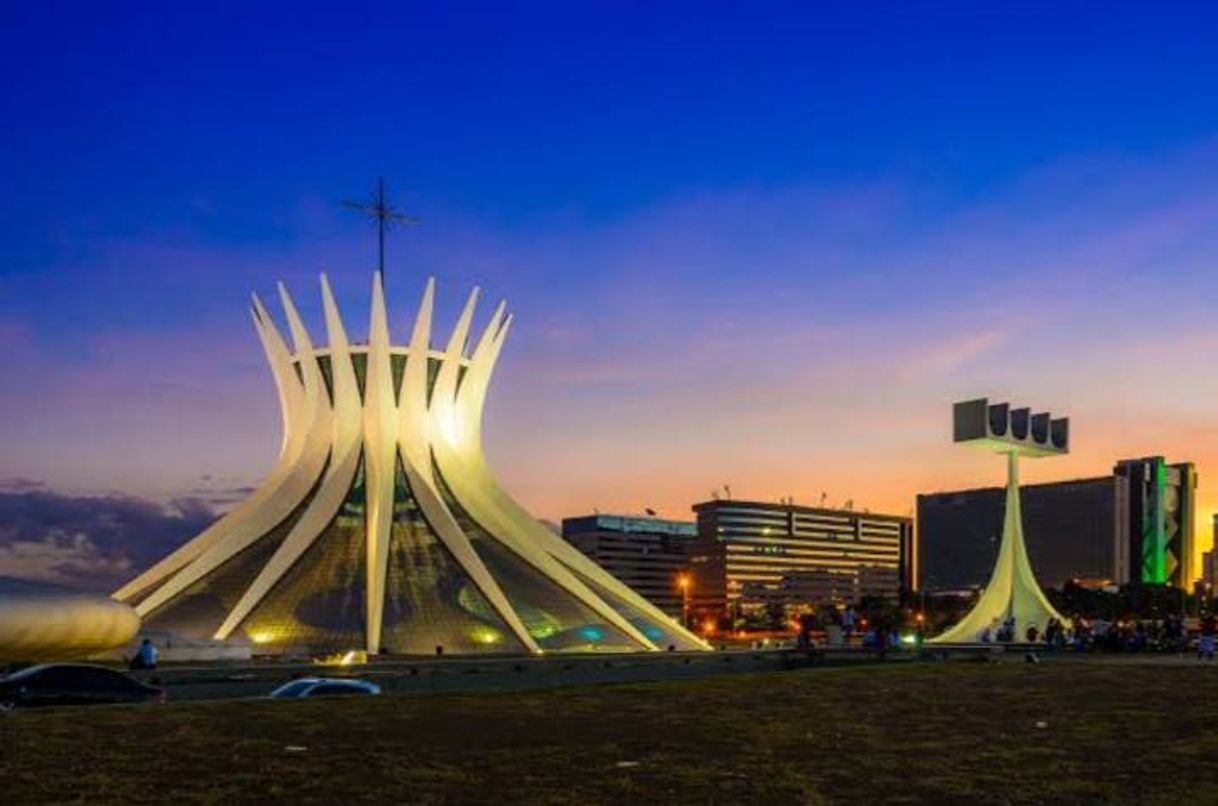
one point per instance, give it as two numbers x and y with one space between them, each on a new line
378 209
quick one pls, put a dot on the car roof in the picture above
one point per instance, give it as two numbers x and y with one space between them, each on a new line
29 671
349 681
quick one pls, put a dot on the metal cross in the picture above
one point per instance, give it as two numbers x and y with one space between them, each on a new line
378 210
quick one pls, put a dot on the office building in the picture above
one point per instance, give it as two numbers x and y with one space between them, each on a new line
1068 531
1134 525
1157 501
647 554
1209 564
749 554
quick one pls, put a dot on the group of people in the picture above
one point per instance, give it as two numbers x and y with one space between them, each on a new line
1054 633
1004 634
1170 634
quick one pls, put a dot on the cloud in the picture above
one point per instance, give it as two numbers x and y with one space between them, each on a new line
61 558
21 485
93 542
216 494
951 355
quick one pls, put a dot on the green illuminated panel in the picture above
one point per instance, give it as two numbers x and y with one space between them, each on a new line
1154 535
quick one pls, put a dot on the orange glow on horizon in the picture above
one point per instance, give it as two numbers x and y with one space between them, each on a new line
878 479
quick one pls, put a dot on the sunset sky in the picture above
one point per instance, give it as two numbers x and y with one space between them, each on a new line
767 252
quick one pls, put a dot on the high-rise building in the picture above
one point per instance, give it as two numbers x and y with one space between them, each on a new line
647 554
1209 563
1157 499
1132 526
1068 531
755 553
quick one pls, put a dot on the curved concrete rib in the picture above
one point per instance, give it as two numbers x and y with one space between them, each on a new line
448 531
291 399
442 410
1012 590
458 477
287 382
451 447
335 485
412 397
416 464
294 488
471 400
380 457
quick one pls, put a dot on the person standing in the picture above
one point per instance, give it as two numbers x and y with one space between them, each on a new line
146 656
848 623
1205 642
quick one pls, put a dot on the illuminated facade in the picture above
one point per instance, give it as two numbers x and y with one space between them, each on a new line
1012 593
1158 500
381 526
751 553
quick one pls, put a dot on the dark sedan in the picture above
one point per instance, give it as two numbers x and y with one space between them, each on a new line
73 684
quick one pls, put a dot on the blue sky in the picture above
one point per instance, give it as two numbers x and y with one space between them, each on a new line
738 239
126 121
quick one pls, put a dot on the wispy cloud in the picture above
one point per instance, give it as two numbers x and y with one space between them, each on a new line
957 352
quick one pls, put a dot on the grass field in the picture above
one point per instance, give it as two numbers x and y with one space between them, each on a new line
962 732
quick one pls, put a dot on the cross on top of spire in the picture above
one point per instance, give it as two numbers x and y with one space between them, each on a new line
379 210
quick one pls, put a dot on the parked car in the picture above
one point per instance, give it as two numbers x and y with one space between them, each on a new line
324 687
73 684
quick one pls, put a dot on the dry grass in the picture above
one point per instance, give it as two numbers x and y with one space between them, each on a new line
959 733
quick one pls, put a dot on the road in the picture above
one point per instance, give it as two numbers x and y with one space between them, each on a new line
425 675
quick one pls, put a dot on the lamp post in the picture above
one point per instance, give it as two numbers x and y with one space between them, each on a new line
684 583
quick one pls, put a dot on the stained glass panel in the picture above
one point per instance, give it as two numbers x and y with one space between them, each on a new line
318 606
199 611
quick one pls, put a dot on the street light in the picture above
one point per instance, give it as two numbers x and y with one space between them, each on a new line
684 583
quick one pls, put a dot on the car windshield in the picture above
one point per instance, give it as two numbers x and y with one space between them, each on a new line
293 689
331 688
